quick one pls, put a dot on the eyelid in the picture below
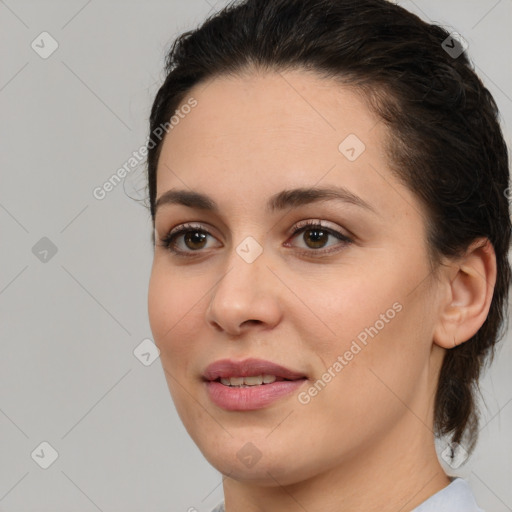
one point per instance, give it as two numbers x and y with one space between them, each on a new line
318 222
187 225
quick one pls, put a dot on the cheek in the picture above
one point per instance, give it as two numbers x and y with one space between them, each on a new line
381 332
354 306
384 343
174 306
173 309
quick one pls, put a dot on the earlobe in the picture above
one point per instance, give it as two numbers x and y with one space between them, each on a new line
469 291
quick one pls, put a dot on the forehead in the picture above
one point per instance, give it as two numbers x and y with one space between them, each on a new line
259 115
251 135
239 114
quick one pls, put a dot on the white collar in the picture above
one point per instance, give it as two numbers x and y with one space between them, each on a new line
455 497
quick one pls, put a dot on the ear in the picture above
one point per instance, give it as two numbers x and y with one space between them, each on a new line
469 286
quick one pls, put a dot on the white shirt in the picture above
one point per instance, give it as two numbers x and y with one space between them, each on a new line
456 497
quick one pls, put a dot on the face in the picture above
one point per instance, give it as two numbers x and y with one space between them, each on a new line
334 288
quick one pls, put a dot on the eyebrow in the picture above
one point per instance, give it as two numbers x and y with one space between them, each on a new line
291 198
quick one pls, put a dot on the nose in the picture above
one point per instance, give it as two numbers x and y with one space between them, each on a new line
246 296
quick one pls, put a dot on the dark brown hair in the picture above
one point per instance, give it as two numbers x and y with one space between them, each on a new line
445 142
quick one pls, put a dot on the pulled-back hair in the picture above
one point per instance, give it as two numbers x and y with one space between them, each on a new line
444 140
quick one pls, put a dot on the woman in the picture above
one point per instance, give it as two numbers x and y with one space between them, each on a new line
330 269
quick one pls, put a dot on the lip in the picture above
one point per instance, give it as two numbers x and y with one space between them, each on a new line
225 368
254 397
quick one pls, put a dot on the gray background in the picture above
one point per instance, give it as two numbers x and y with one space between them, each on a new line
70 323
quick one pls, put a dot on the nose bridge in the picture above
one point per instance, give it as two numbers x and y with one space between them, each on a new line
243 292
245 271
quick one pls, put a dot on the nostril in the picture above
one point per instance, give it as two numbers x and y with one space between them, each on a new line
251 322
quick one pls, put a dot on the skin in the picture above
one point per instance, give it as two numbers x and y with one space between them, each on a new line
365 441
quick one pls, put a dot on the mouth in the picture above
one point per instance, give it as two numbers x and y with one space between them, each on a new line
249 372
250 381
249 384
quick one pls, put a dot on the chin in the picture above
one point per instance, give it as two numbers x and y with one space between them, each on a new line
261 463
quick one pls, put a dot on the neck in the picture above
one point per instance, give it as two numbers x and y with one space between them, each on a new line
397 473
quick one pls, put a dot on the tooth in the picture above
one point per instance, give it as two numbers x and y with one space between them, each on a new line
253 381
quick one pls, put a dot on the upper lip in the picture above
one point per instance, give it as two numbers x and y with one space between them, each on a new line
225 368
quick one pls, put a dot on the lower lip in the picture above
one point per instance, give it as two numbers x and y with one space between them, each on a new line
250 398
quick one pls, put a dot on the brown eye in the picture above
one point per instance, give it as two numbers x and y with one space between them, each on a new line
195 240
187 240
315 238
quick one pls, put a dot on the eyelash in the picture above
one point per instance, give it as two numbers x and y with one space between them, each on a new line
168 241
